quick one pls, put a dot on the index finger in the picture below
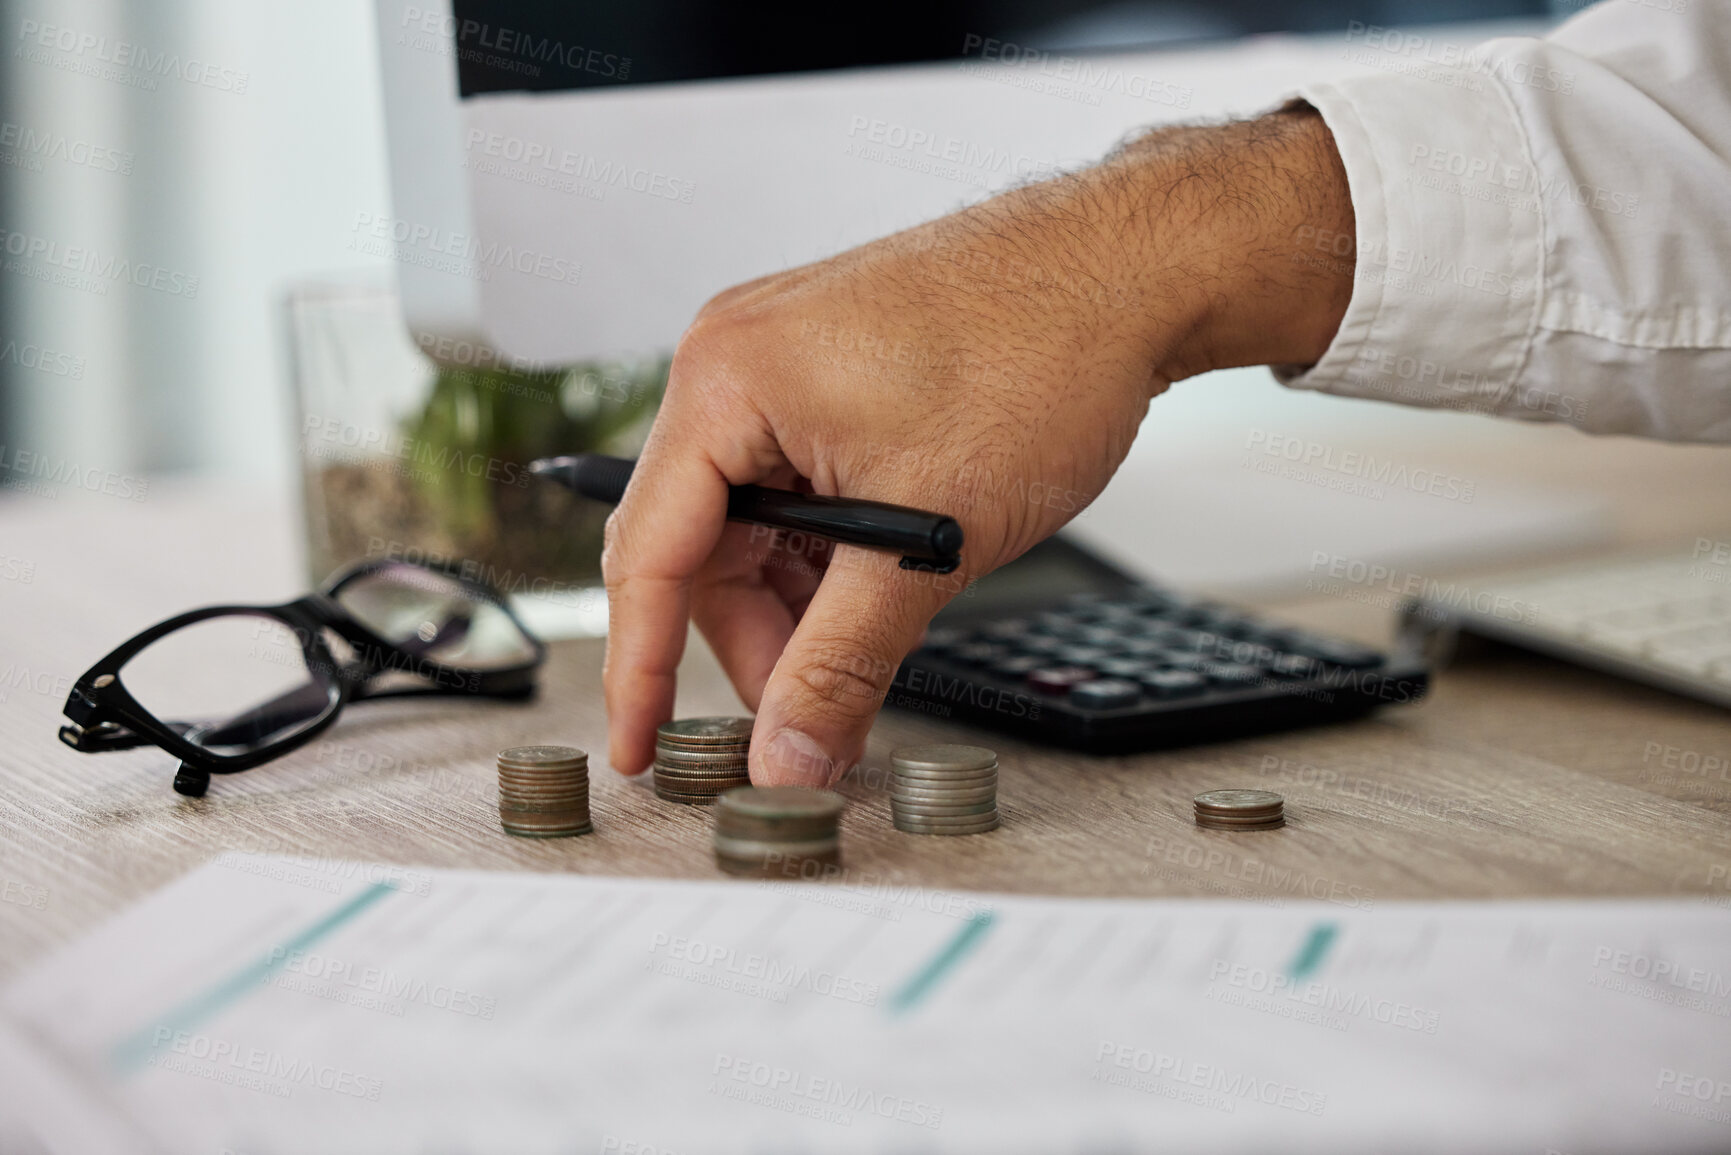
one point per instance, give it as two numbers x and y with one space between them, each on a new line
665 529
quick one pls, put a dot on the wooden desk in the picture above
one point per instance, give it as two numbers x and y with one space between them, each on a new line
1519 777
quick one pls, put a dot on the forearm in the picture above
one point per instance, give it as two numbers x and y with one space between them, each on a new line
1193 244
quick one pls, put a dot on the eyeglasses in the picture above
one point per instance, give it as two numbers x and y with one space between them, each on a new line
264 680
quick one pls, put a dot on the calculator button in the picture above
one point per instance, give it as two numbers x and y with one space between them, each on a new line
1080 655
1293 665
1143 647
1041 644
1104 636
1247 653
1230 673
1123 667
1058 679
1106 694
1007 630
1344 653
980 653
942 638
1173 683
1017 666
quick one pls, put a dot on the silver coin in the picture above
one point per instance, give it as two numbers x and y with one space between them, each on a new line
1238 801
934 826
763 847
546 826
1215 822
949 819
530 756
930 811
783 801
686 799
922 777
720 770
715 770
688 791
1242 815
544 822
544 793
710 774
779 864
538 781
729 766
559 802
943 758
953 797
750 827
705 731
704 754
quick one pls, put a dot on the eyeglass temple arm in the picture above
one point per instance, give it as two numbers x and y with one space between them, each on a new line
106 736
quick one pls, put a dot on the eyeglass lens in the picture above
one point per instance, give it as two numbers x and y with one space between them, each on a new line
436 617
241 680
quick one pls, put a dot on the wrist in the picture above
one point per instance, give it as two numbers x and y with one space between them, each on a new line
1240 223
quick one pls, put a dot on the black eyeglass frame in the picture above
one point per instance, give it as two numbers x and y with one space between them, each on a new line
105 716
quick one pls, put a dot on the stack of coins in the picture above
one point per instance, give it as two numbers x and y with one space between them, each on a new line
697 759
944 789
768 831
1240 810
544 791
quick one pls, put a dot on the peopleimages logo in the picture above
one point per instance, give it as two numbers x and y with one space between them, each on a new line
97 51
412 243
506 43
533 154
30 251
1397 45
32 356
26 141
21 464
1363 467
1230 1086
800 1093
352 443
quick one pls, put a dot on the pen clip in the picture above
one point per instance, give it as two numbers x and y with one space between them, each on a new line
935 565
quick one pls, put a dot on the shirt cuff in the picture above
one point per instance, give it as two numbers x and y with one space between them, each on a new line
1445 289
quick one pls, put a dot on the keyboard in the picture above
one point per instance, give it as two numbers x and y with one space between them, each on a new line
1662 620
1125 666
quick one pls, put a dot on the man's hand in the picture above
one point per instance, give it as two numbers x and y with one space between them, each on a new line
993 365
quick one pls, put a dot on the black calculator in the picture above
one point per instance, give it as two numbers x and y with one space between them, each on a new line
1062 647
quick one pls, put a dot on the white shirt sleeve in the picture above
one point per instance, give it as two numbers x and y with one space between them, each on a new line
1543 226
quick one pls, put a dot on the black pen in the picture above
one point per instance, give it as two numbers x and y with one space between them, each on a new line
926 541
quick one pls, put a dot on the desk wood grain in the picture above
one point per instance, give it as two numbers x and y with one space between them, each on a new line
1519 777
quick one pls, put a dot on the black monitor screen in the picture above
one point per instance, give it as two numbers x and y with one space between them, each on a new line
540 45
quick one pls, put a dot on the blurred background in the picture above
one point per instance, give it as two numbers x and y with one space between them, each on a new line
216 277
252 183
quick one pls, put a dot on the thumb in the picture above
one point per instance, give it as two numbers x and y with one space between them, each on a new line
830 681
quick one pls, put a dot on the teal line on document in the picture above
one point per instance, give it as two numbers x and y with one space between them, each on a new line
1310 955
918 987
131 1053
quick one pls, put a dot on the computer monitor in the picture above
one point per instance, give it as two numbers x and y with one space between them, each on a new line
573 181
